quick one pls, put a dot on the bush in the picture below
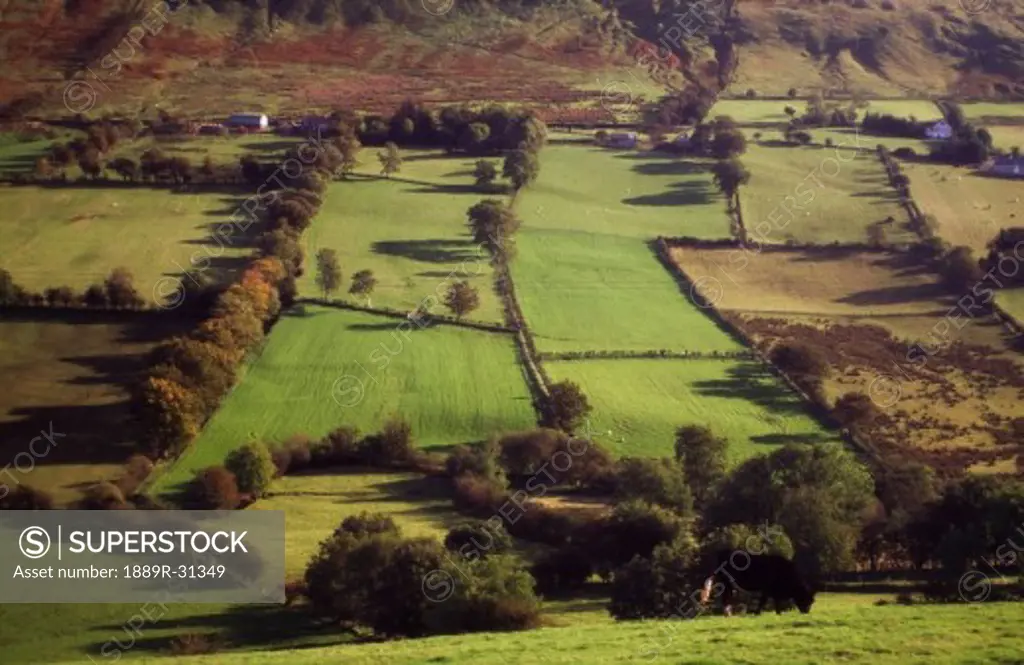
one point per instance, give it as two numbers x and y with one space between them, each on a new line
633 529
214 488
667 584
344 445
253 468
524 453
498 595
102 496
563 570
282 458
565 407
476 493
753 540
657 481
482 538
367 524
300 455
25 497
479 461
136 470
392 446
553 454
542 525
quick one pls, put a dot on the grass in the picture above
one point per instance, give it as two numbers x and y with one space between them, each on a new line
921 109
970 208
1007 137
409 230
315 504
991 110
76 235
323 368
745 111
221 149
816 195
69 375
19 155
638 404
1012 300
584 273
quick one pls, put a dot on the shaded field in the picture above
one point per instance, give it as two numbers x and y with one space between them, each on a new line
584 291
20 156
638 404
69 374
850 138
410 231
818 195
323 368
74 236
316 503
221 149
826 282
970 208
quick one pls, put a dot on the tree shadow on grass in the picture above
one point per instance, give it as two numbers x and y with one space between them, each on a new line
681 194
663 167
437 250
780 439
753 383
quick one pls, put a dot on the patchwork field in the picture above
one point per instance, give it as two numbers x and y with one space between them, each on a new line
970 208
323 368
865 312
315 504
818 195
638 404
584 292
410 231
75 236
70 375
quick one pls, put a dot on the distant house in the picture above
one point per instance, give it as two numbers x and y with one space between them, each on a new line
939 131
622 140
1009 166
250 121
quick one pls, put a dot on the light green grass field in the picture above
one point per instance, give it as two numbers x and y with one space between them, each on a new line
582 291
828 199
756 110
850 138
221 149
983 110
69 375
76 236
1006 137
326 368
638 404
316 503
410 231
921 109
17 155
842 628
1012 300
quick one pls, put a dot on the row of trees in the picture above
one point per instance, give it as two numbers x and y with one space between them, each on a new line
117 291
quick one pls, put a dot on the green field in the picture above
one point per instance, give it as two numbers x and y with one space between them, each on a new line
582 292
409 230
18 155
829 200
983 110
638 404
921 109
75 236
745 111
1006 137
323 368
69 374
220 149
315 504
1012 300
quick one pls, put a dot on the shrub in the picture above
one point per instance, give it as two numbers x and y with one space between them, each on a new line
497 594
136 470
367 524
702 456
25 497
542 525
473 493
482 538
565 407
657 481
524 453
480 461
749 539
392 446
344 445
562 570
633 529
282 458
214 488
299 452
102 496
253 468
667 584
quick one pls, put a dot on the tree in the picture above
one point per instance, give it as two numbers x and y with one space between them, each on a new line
856 411
792 93
521 168
656 481
492 223
485 173
390 160
348 145
253 467
790 111
960 271
473 138
328 272
703 457
476 539
363 283
120 289
461 299
89 162
729 175
664 585
213 488
806 365
44 168
728 141
565 407
169 414
633 529
10 292
124 167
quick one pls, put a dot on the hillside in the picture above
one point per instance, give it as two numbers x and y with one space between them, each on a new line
214 56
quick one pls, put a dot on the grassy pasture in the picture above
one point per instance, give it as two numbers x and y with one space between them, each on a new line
76 236
315 504
638 404
983 111
410 230
1006 137
838 283
71 371
17 155
817 195
584 291
221 149
323 368
746 111
970 207
921 109
1012 300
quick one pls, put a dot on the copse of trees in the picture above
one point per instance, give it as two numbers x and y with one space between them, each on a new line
565 407
703 458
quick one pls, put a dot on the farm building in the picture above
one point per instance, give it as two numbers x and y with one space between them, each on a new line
625 140
1010 166
939 131
249 121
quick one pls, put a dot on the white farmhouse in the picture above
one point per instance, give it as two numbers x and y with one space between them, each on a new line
939 131
250 121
